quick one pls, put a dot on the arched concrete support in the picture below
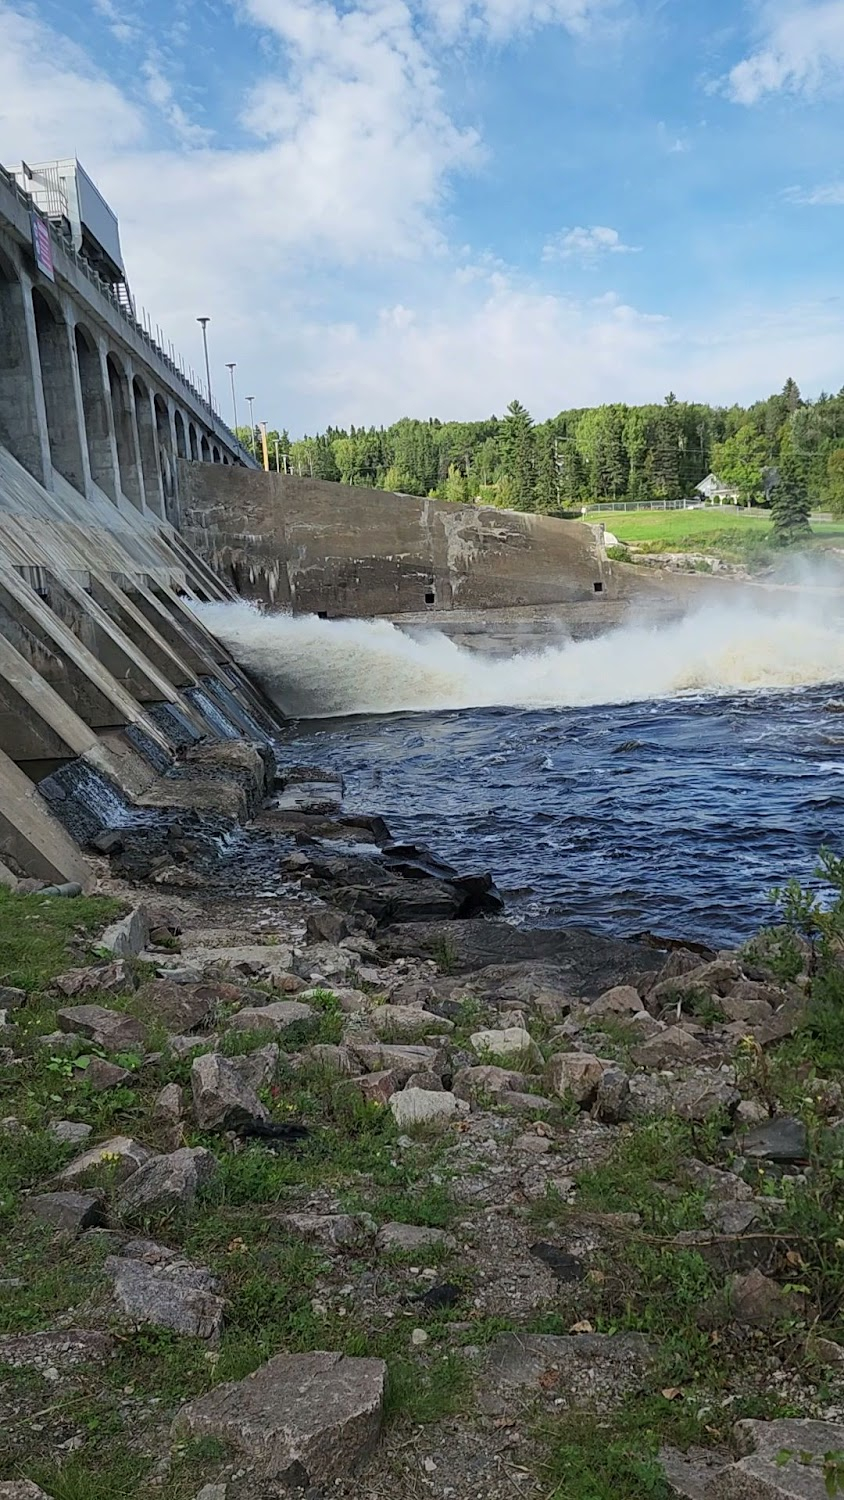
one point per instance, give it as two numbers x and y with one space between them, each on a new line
166 454
125 432
181 435
215 454
205 450
23 425
120 608
145 419
193 442
62 397
96 410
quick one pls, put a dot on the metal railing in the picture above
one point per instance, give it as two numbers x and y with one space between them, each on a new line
123 304
624 505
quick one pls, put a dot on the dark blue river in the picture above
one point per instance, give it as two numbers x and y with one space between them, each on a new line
676 816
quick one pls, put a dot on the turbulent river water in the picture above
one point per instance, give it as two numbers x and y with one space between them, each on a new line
657 778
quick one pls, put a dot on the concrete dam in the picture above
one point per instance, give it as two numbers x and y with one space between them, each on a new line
125 500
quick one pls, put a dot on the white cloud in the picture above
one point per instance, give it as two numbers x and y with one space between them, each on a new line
831 195
587 245
161 94
502 18
801 51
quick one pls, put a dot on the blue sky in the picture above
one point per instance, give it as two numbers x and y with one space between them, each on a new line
427 207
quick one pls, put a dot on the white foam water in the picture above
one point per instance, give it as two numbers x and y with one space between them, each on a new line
323 669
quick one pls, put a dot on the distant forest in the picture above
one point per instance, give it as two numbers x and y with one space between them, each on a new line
604 453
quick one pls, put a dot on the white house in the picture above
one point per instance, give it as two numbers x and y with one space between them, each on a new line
712 488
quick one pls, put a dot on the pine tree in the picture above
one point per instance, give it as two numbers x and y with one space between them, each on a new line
790 505
547 478
519 455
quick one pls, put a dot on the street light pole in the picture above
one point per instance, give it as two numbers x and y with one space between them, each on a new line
204 322
250 401
231 369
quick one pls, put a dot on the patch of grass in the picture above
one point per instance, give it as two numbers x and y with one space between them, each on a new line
633 1178
112 1474
591 1459
422 1394
41 936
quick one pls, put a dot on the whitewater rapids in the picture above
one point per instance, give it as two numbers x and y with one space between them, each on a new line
316 668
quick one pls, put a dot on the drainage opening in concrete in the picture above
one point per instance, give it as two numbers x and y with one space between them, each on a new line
430 597
322 614
598 587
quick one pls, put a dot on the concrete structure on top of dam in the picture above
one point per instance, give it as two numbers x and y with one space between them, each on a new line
313 547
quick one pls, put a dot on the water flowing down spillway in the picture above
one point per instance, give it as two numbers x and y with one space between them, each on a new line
660 778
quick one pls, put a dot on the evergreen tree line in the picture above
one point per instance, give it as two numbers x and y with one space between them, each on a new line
597 454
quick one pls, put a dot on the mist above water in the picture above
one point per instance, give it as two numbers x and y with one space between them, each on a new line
316 668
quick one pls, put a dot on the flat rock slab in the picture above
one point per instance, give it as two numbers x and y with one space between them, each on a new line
222 1100
110 1029
179 1007
406 1023
277 1017
691 1474
60 1349
761 1476
170 1294
782 1140
302 1418
590 1371
255 961
120 1155
411 1237
333 1231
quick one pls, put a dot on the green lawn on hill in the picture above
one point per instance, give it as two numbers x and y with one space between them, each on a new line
723 532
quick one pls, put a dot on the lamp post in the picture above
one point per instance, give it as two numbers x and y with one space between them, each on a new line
231 369
250 402
204 322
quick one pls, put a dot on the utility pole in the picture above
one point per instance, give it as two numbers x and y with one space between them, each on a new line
265 455
205 322
277 460
231 369
250 401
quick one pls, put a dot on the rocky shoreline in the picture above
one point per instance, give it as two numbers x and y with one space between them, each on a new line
319 1177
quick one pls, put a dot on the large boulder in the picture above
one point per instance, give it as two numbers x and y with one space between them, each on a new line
575 1075
128 937
221 1099
513 1043
404 1060
68 1212
304 1419
415 1107
474 1083
100 979
406 1023
783 1460
167 1181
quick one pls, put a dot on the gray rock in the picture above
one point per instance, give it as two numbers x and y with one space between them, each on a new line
11 998
168 1104
760 1475
339 1060
751 1112
59 1349
213 1492
301 1418
277 1018
731 1218
724 1187
221 1100
509 1042
109 1029
128 937
591 1371
622 1000
172 1294
380 1057
474 1083
99 1074
675 1045
430 1081
333 1231
376 1088
167 1181
183 1046
612 1104
102 979
575 1075
782 1140
690 1474
69 1212
405 1023
752 1300
514 1102
181 1007
705 1095
120 1154
70 1132
411 1237
21 1489
649 1095
254 1069
416 1107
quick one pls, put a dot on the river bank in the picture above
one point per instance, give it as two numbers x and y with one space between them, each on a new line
482 1210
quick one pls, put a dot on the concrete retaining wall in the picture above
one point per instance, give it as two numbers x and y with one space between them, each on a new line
316 547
